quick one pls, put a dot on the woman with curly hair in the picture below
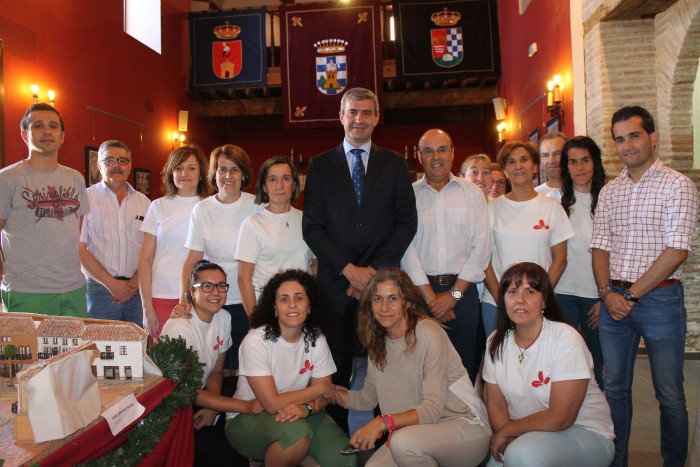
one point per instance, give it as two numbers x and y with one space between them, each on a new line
583 176
432 413
285 364
542 400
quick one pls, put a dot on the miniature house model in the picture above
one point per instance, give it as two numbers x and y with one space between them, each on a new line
121 345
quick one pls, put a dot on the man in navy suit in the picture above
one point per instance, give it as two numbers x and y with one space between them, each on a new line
359 215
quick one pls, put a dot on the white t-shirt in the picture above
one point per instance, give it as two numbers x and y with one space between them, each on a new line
210 340
213 230
525 231
273 242
578 277
558 354
167 219
287 362
550 192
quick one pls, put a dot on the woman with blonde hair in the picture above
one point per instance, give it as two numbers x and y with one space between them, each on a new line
431 411
477 170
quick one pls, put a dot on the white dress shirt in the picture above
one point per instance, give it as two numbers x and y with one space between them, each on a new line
112 230
453 232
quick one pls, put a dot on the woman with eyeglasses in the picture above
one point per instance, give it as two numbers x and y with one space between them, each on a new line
270 240
431 412
499 186
213 233
286 364
525 226
164 234
208 331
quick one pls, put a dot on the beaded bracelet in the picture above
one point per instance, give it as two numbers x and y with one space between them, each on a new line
390 427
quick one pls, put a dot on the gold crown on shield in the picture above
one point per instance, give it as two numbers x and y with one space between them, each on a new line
230 31
445 18
330 46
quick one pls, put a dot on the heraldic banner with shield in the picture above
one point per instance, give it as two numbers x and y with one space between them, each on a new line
450 39
326 49
228 49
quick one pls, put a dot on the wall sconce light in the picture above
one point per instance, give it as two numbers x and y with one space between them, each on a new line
35 93
555 90
178 140
52 97
501 127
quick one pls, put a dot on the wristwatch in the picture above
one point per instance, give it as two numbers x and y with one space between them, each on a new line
629 296
456 294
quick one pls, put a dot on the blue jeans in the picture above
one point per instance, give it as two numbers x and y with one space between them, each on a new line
660 318
239 329
575 310
465 331
574 446
488 316
100 305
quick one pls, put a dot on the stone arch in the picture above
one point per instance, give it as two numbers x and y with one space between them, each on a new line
677 51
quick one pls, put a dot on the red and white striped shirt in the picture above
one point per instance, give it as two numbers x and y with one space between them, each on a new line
635 222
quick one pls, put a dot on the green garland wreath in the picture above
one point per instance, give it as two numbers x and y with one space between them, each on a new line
180 363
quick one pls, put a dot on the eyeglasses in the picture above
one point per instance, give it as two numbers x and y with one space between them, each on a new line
110 161
499 182
442 150
208 287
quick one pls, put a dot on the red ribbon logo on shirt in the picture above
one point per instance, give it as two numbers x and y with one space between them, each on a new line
541 226
307 367
219 343
540 381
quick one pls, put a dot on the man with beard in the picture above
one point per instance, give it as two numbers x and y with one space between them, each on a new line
359 215
110 240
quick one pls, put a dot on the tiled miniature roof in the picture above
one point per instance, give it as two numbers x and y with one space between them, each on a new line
35 368
60 327
114 332
16 325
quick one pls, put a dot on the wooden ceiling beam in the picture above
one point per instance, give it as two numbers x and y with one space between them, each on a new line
440 98
434 98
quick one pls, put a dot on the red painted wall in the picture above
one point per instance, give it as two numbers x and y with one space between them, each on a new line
79 49
467 138
524 79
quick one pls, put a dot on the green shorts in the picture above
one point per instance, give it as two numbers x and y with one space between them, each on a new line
251 435
58 304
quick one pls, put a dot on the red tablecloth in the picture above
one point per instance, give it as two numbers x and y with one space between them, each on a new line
176 448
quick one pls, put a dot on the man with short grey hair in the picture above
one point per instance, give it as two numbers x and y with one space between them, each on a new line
110 240
359 215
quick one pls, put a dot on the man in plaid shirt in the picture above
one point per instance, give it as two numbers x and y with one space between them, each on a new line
643 228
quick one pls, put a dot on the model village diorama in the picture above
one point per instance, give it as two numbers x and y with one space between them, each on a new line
60 360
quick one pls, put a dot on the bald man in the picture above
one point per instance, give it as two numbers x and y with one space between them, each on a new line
451 249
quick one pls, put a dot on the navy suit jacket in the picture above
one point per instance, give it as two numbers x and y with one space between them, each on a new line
338 231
